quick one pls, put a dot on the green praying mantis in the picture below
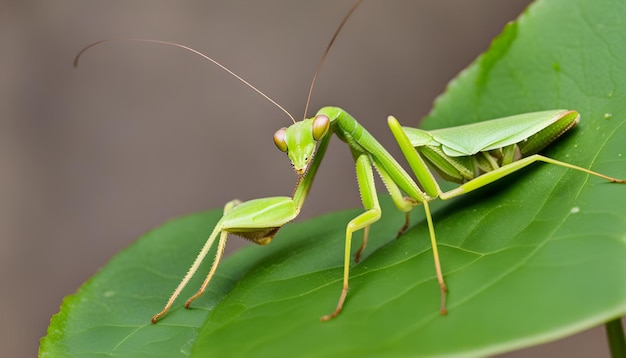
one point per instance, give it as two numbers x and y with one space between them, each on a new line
472 155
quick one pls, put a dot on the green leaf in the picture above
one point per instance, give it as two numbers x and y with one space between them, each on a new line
535 257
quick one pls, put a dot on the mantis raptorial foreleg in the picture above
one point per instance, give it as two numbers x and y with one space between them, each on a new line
194 267
218 256
257 220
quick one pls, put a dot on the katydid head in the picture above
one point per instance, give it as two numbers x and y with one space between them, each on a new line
299 141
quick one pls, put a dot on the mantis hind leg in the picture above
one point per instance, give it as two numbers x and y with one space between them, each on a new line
369 198
503 171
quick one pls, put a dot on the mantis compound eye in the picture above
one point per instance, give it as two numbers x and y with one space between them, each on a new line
279 139
321 123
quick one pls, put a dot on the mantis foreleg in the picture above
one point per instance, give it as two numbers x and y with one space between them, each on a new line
218 256
257 220
194 267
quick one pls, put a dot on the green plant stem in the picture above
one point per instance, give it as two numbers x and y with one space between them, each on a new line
615 335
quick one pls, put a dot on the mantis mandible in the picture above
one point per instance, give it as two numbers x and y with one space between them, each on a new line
472 155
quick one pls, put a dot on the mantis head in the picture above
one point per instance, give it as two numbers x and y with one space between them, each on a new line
299 141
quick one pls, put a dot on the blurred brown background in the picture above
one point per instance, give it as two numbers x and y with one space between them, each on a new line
92 158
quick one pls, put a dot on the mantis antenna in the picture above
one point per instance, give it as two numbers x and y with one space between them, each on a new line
77 58
161 42
330 44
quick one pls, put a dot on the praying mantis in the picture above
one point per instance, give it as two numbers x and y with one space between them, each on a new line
472 155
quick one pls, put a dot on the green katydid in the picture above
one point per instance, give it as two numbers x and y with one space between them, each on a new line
473 155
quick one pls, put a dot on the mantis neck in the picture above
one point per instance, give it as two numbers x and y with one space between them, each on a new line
305 182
